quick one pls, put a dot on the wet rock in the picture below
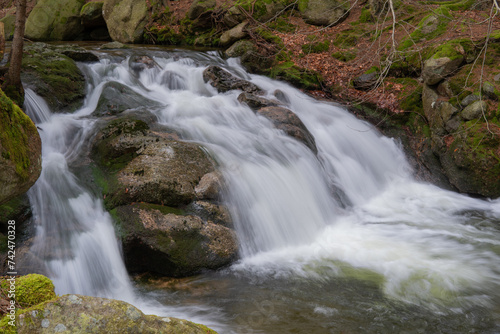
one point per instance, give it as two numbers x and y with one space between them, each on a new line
224 81
366 81
256 102
146 166
284 119
250 57
171 244
140 63
474 110
324 12
209 186
113 45
116 98
211 212
280 95
84 314
54 76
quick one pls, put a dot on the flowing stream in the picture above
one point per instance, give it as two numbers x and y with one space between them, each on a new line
345 241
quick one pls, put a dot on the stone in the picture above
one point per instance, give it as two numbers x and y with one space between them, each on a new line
113 45
284 119
126 19
469 99
171 244
234 34
198 7
490 91
53 76
436 69
209 186
250 57
54 20
366 81
474 110
116 98
224 81
444 89
429 102
20 151
324 12
100 315
211 212
256 102
91 15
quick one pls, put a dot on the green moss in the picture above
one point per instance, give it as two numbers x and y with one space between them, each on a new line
16 131
297 76
270 37
282 25
413 102
347 38
436 23
316 47
454 49
366 15
344 56
31 289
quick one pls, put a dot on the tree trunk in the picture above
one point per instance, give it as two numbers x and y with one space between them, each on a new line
12 85
2 40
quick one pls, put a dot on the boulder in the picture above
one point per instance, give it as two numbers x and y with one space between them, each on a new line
211 212
146 166
366 81
474 110
198 7
324 12
53 76
256 102
234 34
436 69
77 53
490 91
126 19
84 314
284 119
20 151
250 57
224 81
57 20
155 240
469 99
209 186
91 15
116 98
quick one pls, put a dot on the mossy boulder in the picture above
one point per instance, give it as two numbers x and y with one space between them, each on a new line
323 12
297 76
31 289
198 7
84 314
126 19
146 166
54 76
471 159
250 57
156 240
55 20
20 150
446 61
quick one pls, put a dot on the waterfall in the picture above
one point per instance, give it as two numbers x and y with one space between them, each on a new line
352 207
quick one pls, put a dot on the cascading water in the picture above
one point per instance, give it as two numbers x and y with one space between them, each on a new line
351 212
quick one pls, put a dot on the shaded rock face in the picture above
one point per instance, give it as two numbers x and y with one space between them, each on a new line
84 314
54 76
436 69
366 81
93 22
20 150
163 194
284 119
126 19
323 12
234 34
198 7
250 57
172 244
224 81
55 20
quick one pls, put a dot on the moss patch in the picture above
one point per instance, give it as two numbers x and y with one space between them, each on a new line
297 76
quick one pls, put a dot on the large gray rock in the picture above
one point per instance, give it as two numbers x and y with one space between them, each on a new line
234 34
126 19
224 81
84 314
474 110
116 98
57 20
284 119
436 69
324 12
172 244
